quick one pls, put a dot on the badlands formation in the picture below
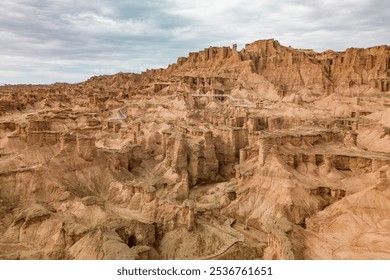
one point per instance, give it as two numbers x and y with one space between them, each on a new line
269 152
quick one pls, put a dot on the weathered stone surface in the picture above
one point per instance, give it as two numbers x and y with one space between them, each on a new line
265 152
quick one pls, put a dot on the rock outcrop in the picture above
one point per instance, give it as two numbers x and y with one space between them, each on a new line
261 153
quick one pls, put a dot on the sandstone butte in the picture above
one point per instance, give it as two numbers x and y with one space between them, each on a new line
269 152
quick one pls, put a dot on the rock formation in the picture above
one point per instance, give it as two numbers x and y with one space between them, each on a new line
268 152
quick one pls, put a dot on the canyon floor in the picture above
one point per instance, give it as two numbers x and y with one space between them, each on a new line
269 152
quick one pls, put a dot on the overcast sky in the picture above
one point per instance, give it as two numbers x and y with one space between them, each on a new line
44 41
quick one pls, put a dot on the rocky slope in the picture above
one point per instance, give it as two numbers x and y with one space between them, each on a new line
266 152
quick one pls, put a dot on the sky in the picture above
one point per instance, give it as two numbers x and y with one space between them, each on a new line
44 41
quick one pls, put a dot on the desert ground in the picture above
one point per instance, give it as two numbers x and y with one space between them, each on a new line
268 152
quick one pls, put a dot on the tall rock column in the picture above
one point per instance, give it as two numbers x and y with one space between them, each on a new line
264 147
179 157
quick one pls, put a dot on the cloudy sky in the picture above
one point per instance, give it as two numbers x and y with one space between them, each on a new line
44 41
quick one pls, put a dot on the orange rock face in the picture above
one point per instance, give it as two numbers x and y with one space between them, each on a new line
268 152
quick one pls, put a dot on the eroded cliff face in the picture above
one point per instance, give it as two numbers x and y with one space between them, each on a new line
265 152
353 71
266 64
